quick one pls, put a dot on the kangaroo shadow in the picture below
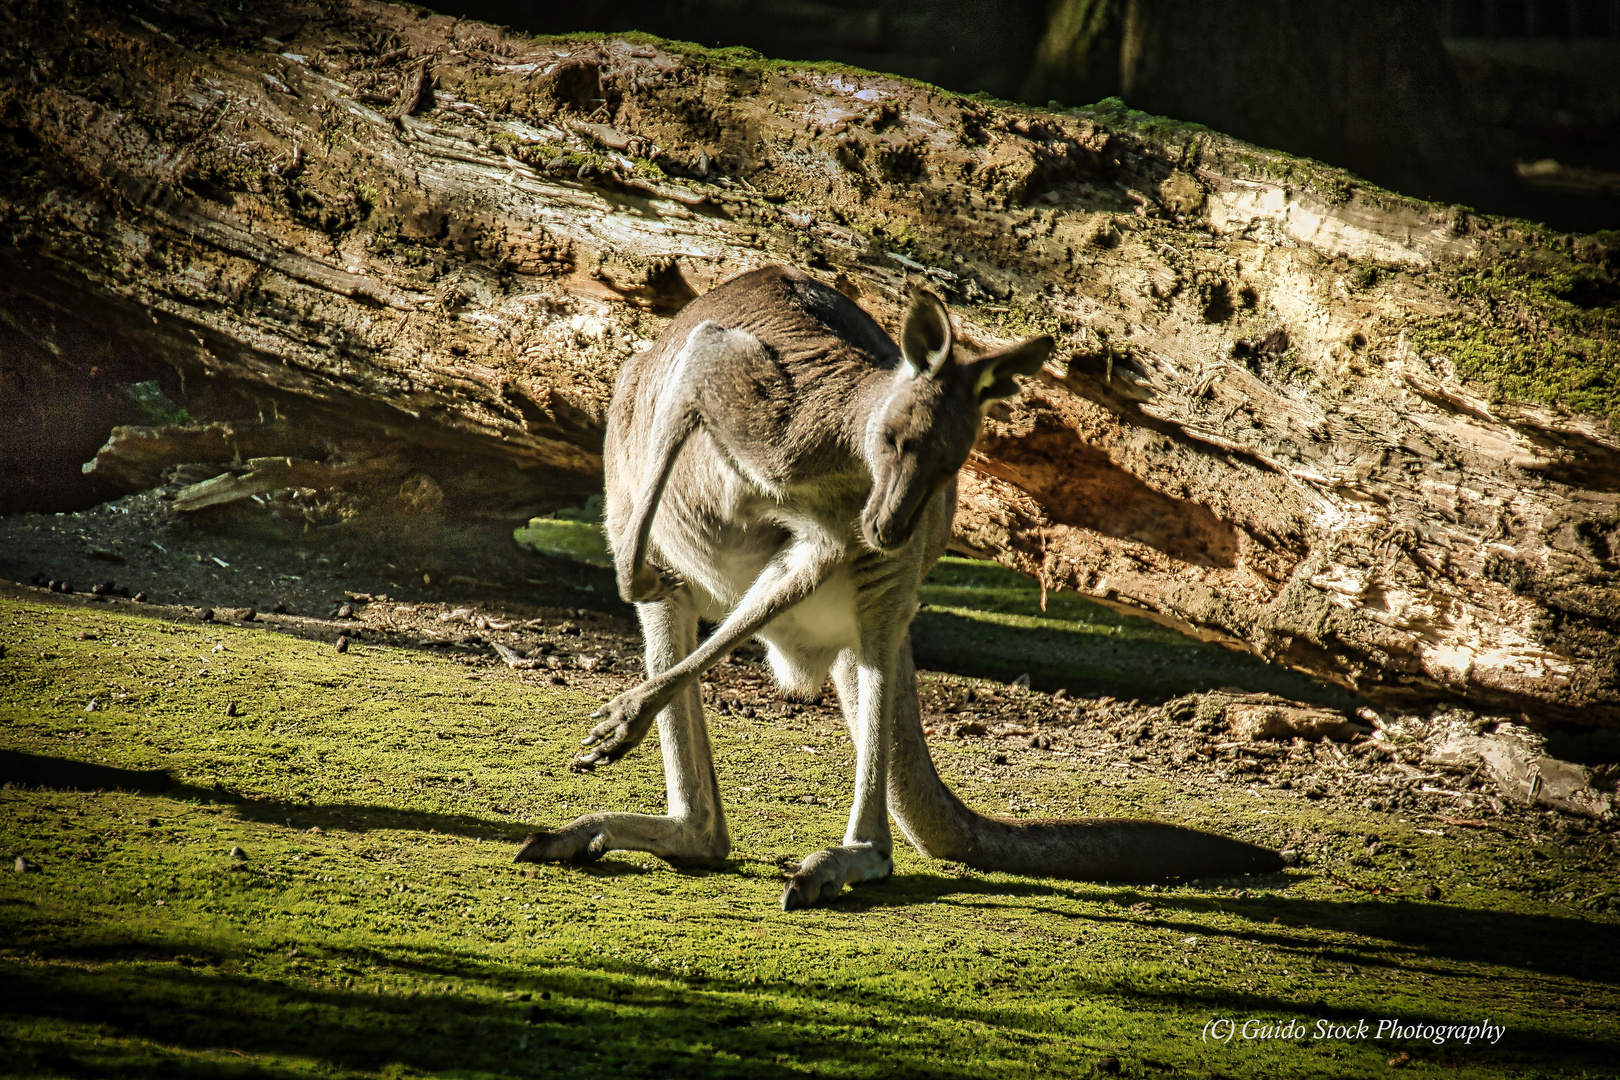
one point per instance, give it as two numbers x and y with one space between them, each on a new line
38 770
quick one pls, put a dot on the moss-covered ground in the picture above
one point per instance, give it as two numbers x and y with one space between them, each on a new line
376 926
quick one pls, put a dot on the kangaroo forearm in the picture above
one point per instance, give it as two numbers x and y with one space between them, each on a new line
791 576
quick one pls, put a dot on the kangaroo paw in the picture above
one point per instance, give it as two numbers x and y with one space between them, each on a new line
822 876
625 722
650 583
564 845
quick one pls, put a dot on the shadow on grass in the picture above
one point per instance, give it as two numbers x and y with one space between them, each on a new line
39 770
1407 931
207 1016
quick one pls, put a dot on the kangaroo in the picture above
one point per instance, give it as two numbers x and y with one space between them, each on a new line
776 465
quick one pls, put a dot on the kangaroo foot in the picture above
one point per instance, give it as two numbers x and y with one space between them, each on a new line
649 583
588 838
625 722
564 845
822 876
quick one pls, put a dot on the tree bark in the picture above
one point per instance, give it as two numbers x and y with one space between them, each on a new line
1359 434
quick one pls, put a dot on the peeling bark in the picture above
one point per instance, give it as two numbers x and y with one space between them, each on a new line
1273 418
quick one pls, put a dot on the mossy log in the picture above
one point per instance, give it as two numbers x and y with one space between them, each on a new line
1362 435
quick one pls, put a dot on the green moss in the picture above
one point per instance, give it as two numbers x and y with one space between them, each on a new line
582 541
378 927
1546 334
1023 318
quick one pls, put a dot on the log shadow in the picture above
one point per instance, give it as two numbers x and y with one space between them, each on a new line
1091 665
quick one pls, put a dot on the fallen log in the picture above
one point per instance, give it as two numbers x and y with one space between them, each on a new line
1362 435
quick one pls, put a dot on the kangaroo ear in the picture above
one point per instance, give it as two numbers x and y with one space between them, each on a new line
926 340
993 372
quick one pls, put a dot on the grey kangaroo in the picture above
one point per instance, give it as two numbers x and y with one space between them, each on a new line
777 466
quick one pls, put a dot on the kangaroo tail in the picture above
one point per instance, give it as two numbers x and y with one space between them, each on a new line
941 826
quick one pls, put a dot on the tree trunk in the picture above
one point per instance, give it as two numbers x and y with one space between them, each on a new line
1359 434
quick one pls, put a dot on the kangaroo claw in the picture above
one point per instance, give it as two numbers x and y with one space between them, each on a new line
650 583
625 722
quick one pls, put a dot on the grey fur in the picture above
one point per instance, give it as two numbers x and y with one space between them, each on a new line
777 466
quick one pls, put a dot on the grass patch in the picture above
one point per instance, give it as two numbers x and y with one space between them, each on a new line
986 620
399 940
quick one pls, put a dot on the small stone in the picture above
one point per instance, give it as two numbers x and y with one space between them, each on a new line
230 708
343 644
1431 891
140 597
207 614
249 615
1289 856
99 590
238 854
23 866
316 830
92 706
345 611
1105 1065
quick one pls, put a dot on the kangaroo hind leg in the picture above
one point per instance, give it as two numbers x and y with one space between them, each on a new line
695 826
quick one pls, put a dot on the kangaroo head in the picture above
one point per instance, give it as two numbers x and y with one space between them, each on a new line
920 435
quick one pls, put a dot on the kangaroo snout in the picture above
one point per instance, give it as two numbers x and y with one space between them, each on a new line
892 514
